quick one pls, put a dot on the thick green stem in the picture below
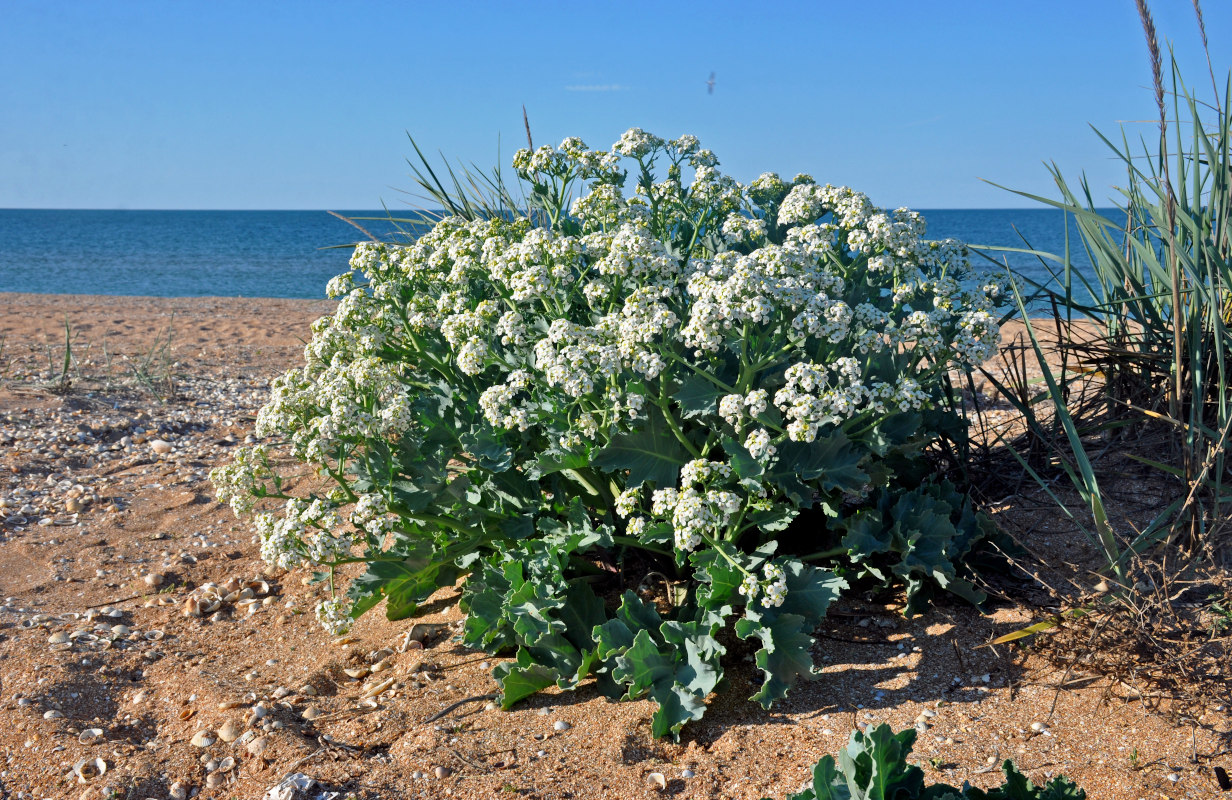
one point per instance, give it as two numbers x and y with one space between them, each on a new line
633 541
664 407
824 554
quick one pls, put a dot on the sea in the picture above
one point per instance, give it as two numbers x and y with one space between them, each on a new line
293 254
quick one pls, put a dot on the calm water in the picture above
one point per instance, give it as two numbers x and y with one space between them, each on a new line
287 253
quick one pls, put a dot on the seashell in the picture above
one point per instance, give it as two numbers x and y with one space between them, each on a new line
177 791
187 713
311 713
153 579
58 646
53 714
356 673
159 446
229 731
192 607
211 765
90 735
89 768
140 697
121 630
226 765
657 781
258 746
226 705
561 725
381 666
379 655
212 606
202 739
308 690
214 780
231 585
345 640
258 587
442 772
73 505
58 638
153 635
378 688
114 613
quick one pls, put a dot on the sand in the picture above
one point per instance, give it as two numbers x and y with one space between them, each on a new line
191 373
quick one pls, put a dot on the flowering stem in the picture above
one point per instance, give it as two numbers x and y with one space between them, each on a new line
824 554
702 373
633 541
723 552
671 422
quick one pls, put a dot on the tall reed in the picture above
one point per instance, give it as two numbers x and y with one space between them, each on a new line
1163 287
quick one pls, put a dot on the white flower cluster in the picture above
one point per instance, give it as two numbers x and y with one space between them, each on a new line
697 508
772 587
371 514
237 482
335 616
742 229
304 534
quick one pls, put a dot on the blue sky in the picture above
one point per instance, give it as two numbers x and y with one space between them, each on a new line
260 104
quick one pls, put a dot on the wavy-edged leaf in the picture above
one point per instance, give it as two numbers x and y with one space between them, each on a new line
651 453
698 396
521 678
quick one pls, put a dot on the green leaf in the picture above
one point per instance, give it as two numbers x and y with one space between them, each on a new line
867 535
521 679
893 431
489 452
742 462
651 453
830 462
774 521
875 764
553 461
784 630
698 396
581 613
784 654
827 783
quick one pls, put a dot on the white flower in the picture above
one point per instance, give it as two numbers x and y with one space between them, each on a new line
335 616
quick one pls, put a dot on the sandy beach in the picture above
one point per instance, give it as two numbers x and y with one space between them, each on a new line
109 533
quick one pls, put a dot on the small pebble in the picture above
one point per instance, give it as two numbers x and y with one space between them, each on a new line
442 772
561 725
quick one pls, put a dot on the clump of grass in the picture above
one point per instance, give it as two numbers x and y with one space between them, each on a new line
1162 316
154 370
63 384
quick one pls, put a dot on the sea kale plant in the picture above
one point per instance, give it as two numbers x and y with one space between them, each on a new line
632 421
